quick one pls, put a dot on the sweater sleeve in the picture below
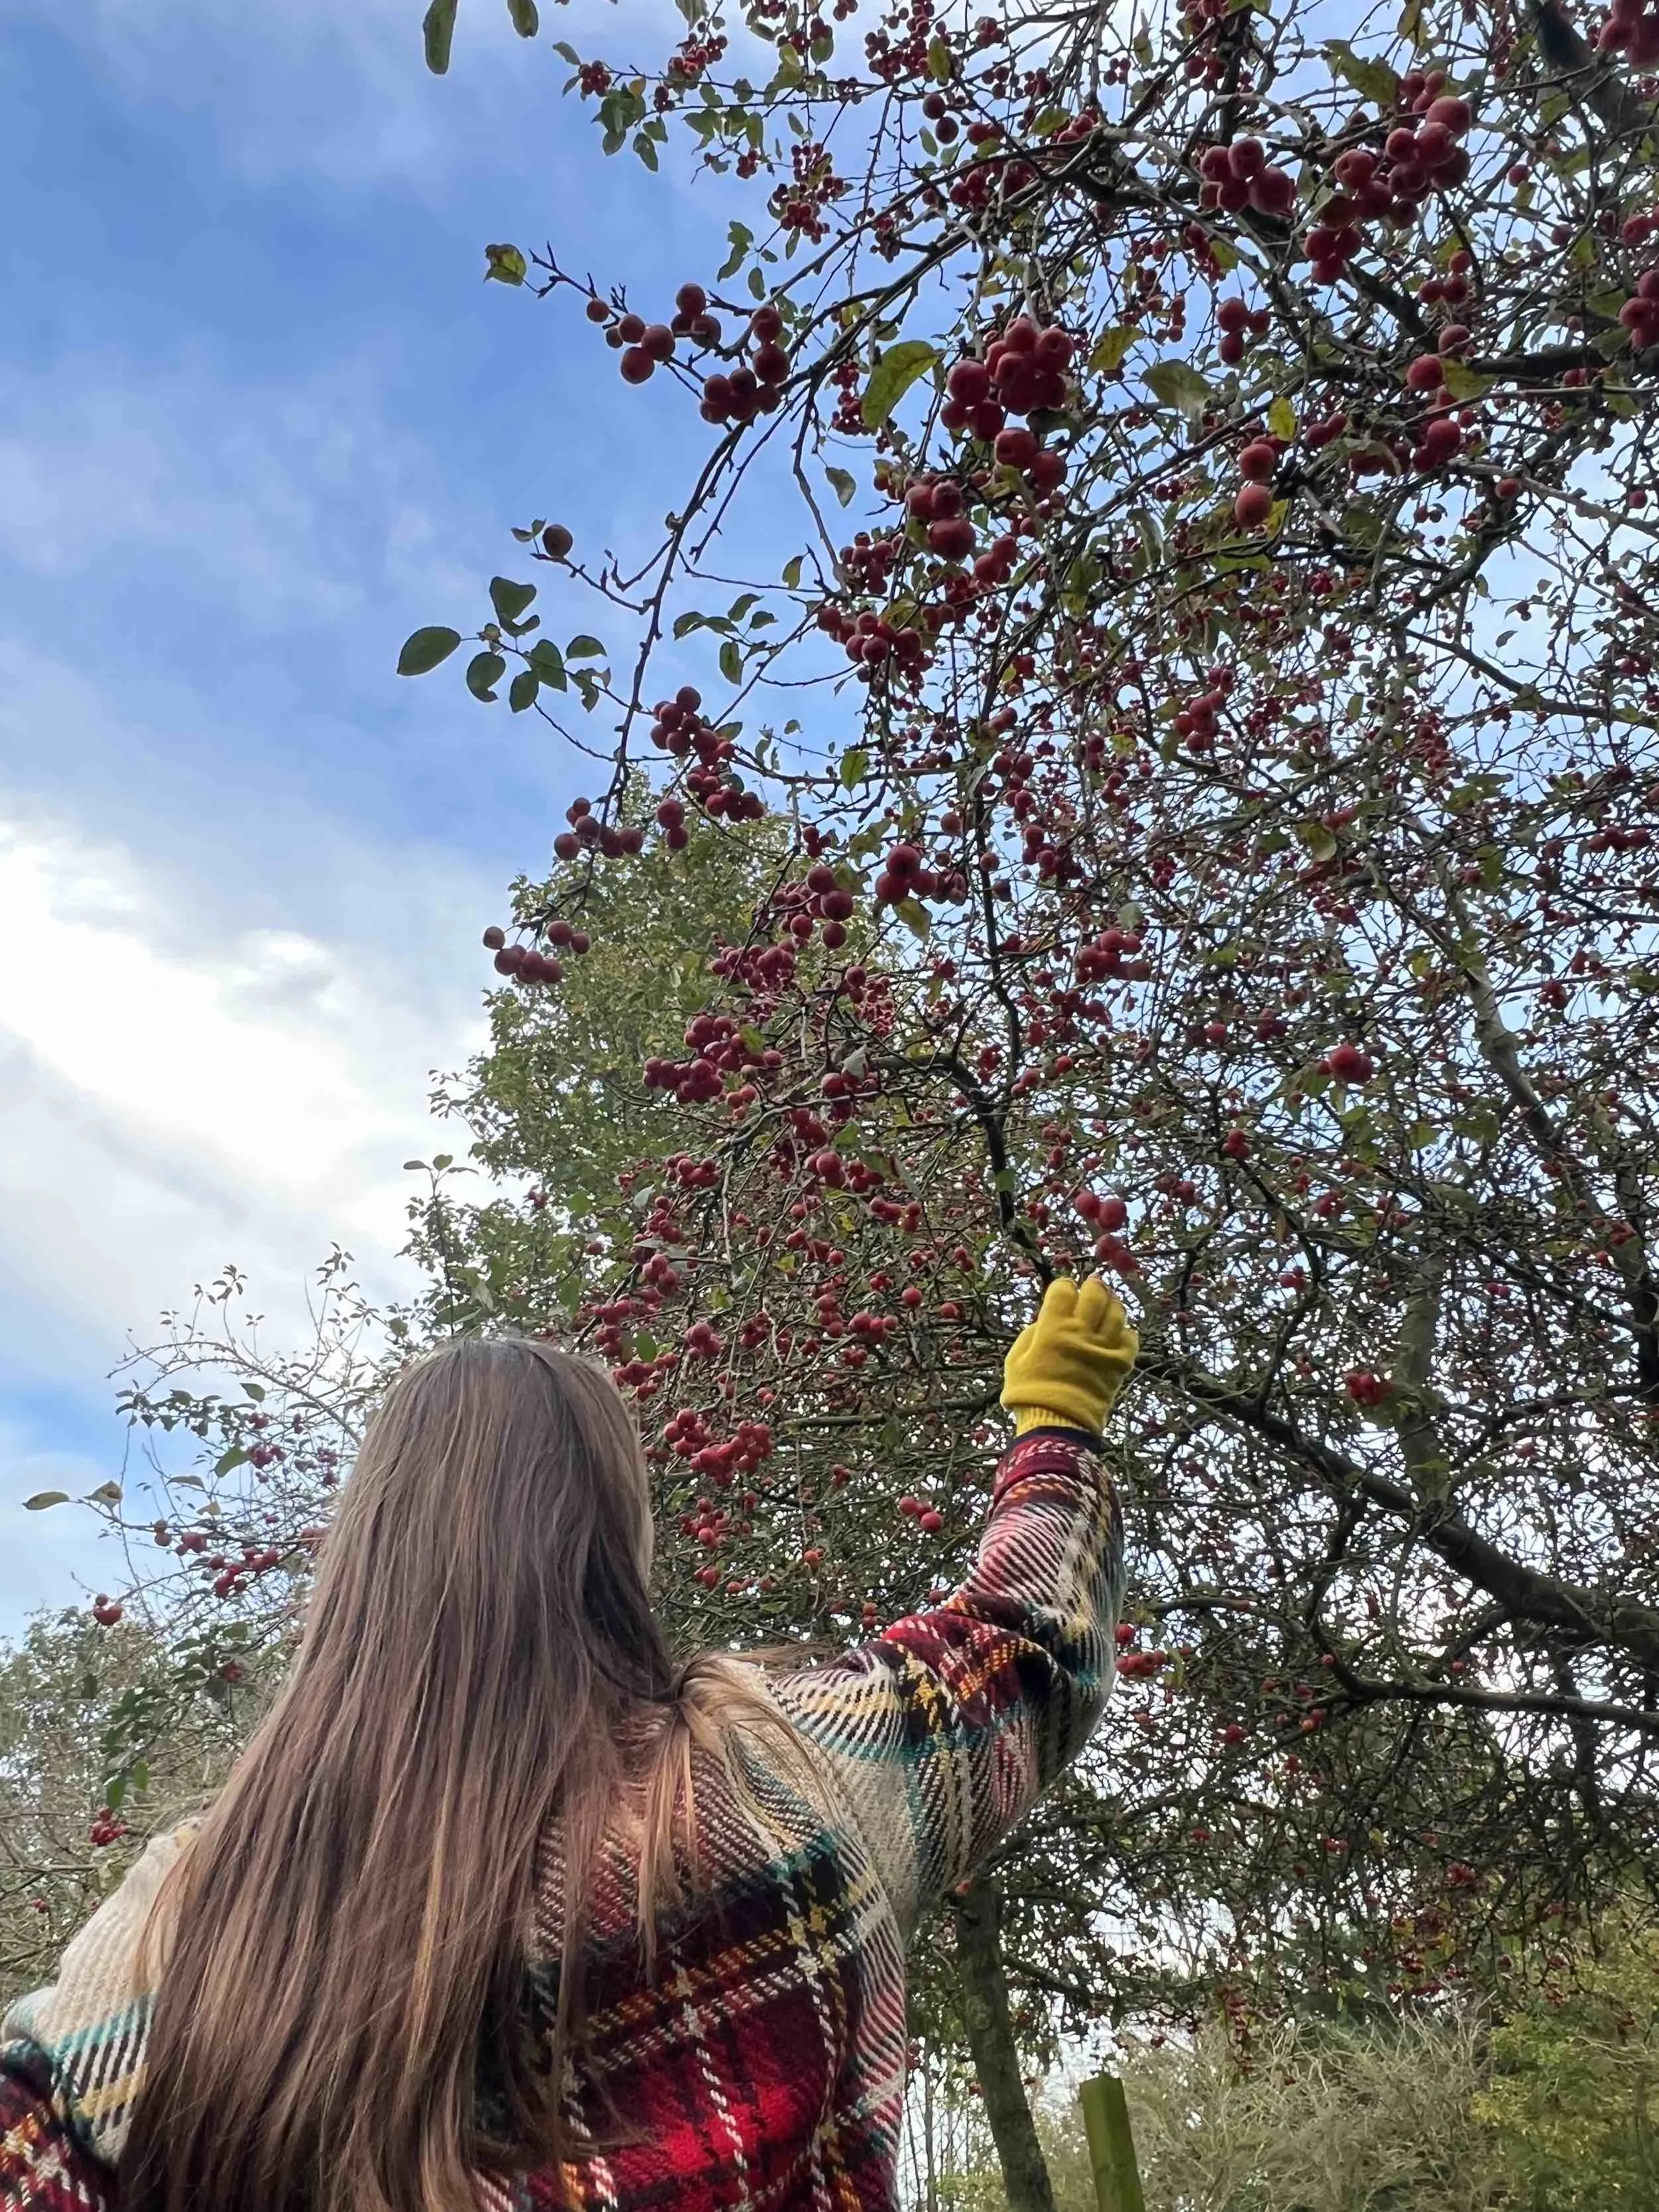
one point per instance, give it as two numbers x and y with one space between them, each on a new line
43 2166
940 1732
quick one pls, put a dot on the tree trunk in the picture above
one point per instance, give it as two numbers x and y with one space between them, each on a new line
996 2057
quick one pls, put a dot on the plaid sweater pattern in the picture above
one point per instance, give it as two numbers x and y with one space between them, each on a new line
762 2067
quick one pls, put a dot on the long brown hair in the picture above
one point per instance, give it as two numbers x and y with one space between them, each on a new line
346 1938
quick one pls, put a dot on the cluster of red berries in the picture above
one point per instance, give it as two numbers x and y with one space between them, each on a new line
928 1518
692 56
1106 1216
1257 463
1640 313
587 833
1415 161
106 1828
679 728
941 503
1239 323
1631 29
643 345
1195 722
106 1610
1028 367
738 395
716 1044
818 901
1243 175
1365 1388
905 875
1348 1064
1111 957
871 641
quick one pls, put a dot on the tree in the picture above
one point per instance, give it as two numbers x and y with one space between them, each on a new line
1242 841
1243 832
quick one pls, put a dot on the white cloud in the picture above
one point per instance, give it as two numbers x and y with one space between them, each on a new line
174 1100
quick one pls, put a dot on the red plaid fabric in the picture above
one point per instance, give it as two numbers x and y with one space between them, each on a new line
762 2067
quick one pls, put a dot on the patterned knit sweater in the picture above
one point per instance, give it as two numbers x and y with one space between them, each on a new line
762 2066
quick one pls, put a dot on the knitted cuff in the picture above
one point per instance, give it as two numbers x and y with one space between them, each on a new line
1044 1417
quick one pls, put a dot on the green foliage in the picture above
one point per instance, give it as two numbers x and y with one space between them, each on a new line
1573 2097
68 1689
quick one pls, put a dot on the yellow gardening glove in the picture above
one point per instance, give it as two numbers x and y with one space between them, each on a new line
1065 1368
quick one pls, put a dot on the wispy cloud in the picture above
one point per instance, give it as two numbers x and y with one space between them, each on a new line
338 90
286 498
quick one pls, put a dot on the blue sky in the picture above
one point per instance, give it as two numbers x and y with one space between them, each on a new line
260 418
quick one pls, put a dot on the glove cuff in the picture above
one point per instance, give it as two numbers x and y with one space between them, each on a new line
1048 1417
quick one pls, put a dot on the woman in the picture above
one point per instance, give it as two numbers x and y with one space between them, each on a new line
499 1907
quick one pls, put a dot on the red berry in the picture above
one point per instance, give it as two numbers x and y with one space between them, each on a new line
1258 461
1252 506
637 365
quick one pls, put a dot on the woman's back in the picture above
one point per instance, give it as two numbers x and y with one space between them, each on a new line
754 2055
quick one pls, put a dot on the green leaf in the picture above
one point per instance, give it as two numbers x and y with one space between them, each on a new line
1317 838
1411 24
546 659
1372 80
42 1498
854 767
484 672
915 917
505 263
732 661
792 568
647 152
1281 418
1112 346
426 648
891 377
1175 384
1463 382
437 30
509 599
841 483
256 1391
521 692
525 22
584 648
941 66
227 1459
685 623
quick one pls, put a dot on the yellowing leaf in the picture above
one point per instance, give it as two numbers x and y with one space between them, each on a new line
1281 418
1111 347
892 376
1175 384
